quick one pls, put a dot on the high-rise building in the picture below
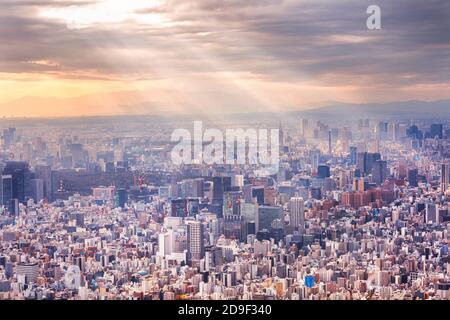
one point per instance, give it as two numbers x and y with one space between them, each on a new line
445 177
29 270
196 247
45 173
323 171
353 155
249 213
413 177
220 185
6 190
297 209
121 197
436 130
431 213
9 136
330 147
21 175
179 208
365 161
37 189
379 171
231 203
13 207
77 153
266 215
258 193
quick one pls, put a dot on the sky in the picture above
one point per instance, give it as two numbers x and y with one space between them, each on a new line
88 57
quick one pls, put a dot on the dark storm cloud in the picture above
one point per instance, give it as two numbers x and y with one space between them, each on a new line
278 40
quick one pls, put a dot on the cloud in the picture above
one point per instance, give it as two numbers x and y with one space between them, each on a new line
311 42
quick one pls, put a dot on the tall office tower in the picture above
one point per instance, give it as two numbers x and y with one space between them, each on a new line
247 192
445 177
249 213
361 162
345 137
382 130
199 187
21 175
329 143
13 207
323 171
379 171
304 127
29 270
121 197
431 214
196 247
6 190
297 208
179 208
220 185
45 173
315 157
413 177
391 130
258 193
436 130
316 193
233 227
77 153
365 161
353 155
193 206
9 136
280 136
37 189
231 203
166 243
371 159
266 215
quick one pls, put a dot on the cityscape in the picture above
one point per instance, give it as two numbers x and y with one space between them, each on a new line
353 212
224 150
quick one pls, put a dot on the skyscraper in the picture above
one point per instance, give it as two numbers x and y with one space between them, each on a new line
379 171
37 189
179 208
436 130
329 142
45 173
365 161
196 247
266 215
297 208
220 184
445 177
323 171
231 203
20 173
413 177
121 197
353 155
6 190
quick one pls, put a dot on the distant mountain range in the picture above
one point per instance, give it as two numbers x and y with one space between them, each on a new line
140 102
406 109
